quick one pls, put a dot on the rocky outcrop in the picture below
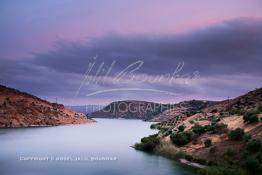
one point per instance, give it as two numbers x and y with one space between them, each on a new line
19 109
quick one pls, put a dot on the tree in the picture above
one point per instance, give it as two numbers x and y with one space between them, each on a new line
250 117
218 128
237 134
198 129
148 144
181 128
181 138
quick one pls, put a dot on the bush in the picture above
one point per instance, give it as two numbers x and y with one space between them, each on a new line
208 142
168 132
181 138
250 117
254 145
198 129
215 120
181 128
218 128
237 134
253 119
148 144
253 165
155 126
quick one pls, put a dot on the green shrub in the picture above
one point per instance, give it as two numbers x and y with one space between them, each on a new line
254 145
215 120
218 128
236 134
198 129
208 142
148 144
181 128
168 132
181 138
155 126
163 129
250 117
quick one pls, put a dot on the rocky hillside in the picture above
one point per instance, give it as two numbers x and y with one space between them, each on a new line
224 137
178 112
183 109
131 110
19 109
239 105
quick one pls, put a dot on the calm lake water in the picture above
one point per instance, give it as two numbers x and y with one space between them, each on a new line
102 148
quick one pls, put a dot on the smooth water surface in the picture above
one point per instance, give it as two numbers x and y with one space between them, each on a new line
102 148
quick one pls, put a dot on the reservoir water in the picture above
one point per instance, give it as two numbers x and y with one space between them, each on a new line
101 148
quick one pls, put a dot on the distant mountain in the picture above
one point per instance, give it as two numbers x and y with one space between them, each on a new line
86 109
131 109
168 112
150 111
20 109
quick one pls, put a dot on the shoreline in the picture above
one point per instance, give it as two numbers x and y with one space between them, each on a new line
192 164
42 126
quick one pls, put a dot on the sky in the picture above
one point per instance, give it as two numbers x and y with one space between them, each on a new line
95 52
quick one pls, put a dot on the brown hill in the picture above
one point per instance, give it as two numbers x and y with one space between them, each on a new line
131 109
183 109
19 109
206 109
249 101
226 136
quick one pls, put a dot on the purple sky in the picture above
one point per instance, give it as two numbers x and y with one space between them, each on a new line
46 47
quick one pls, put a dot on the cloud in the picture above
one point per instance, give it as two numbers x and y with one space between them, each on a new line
225 55
231 47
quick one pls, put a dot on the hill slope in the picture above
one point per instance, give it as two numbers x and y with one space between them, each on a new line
19 109
183 109
131 110
225 136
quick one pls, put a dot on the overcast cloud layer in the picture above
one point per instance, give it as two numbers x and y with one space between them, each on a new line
218 61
